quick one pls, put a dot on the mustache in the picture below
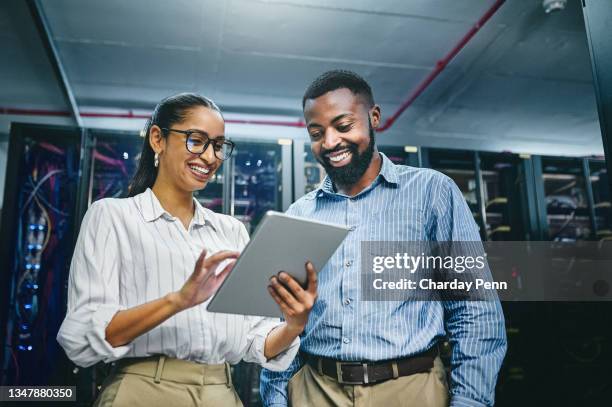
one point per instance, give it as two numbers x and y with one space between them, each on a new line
351 147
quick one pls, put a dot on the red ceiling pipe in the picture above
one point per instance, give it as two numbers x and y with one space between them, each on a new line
440 66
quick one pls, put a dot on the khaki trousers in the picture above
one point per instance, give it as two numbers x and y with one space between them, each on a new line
163 381
309 388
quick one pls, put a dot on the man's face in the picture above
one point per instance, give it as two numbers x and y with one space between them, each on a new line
340 126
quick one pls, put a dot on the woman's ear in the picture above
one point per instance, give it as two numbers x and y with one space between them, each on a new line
156 139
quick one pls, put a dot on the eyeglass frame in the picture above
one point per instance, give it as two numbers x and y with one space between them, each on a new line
207 143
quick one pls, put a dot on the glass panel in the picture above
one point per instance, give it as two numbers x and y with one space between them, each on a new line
115 159
314 173
257 181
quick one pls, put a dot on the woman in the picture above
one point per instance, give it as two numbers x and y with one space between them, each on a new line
144 266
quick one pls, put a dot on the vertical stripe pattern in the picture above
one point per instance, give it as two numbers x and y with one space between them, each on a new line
402 204
131 251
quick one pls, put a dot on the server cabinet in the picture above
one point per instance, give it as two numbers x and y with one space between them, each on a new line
38 236
256 181
403 155
567 199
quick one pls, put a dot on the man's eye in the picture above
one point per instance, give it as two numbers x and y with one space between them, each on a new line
315 135
344 128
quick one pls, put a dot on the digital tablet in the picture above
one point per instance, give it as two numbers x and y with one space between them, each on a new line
280 243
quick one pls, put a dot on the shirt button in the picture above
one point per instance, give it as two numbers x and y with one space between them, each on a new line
348 263
347 301
346 340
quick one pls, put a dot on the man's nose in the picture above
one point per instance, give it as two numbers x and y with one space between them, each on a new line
330 139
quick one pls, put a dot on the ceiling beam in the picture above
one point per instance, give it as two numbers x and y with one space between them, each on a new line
42 25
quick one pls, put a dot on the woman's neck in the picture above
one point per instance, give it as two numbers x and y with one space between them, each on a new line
176 202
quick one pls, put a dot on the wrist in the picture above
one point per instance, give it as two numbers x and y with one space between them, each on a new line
294 329
176 302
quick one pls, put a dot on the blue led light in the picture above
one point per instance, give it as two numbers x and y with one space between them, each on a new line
29 266
32 227
30 246
40 227
29 347
24 327
27 306
35 286
37 266
21 347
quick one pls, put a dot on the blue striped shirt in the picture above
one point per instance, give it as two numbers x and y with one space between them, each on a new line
402 204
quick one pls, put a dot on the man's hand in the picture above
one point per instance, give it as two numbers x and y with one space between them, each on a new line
294 301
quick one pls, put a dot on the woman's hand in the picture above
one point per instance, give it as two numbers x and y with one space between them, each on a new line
294 301
203 282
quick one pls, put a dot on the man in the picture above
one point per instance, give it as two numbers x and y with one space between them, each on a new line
391 346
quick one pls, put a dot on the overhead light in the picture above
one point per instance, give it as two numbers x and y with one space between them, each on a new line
285 141
411 149
553 5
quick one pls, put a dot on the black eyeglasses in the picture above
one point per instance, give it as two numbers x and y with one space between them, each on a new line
198 141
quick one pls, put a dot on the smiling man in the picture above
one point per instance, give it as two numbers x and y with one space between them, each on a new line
382 353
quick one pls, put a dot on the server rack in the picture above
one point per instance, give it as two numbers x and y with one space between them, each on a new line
38 234
602 209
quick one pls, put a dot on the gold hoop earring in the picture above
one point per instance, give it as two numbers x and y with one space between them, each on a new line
156 160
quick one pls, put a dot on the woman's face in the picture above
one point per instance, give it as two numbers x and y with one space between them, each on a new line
178 166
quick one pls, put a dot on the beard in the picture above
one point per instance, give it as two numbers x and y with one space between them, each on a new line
350 173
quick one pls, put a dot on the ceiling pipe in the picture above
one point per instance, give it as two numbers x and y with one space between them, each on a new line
440 66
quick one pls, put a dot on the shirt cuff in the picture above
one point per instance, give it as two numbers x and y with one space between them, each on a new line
96 336
460 401
257 338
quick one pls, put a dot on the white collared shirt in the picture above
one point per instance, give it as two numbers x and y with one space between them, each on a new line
131 251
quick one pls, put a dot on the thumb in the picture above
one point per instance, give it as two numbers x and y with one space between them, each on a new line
312 279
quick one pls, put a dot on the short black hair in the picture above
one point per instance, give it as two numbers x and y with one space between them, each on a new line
339 79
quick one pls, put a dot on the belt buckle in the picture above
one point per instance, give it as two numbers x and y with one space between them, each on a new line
365 379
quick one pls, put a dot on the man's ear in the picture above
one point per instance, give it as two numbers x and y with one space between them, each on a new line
375 116
156 139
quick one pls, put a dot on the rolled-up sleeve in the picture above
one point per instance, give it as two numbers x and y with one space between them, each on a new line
93 291
256 340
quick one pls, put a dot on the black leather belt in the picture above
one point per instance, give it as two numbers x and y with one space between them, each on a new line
372 372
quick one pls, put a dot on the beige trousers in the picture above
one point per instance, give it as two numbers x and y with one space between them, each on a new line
163 381
308 388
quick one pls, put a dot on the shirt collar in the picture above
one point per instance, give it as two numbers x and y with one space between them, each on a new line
388 173
151 209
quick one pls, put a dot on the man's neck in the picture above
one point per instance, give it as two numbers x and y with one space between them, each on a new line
366 179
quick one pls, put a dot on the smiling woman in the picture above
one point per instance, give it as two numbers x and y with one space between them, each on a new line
145 266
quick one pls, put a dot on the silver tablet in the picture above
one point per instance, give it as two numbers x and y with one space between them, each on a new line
280 243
